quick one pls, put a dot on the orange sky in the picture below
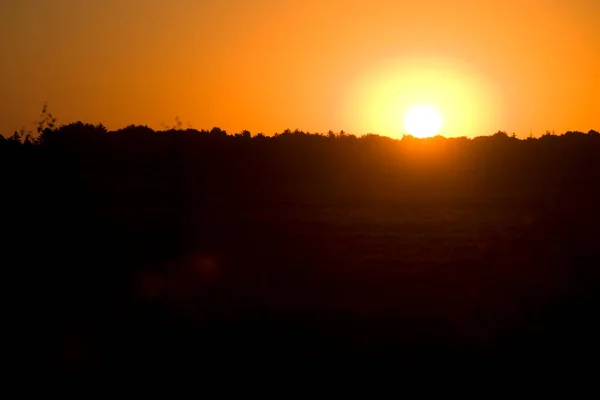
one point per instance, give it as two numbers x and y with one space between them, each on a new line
268 65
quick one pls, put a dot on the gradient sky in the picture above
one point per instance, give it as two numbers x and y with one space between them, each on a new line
268 65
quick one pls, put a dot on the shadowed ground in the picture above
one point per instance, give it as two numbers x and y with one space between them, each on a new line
114 268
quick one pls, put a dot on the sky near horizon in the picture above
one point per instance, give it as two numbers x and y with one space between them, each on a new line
266 65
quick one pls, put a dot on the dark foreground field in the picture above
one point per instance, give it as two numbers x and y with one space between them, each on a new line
125 260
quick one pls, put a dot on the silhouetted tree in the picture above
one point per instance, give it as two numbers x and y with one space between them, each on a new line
218 132
47 120
16 137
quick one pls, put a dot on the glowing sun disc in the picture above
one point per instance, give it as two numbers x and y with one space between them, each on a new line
423 121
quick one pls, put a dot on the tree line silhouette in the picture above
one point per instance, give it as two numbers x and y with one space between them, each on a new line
190 166
94 219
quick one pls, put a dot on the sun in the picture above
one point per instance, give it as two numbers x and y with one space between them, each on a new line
423 121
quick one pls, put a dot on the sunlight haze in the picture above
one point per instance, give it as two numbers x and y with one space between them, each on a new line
267 65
